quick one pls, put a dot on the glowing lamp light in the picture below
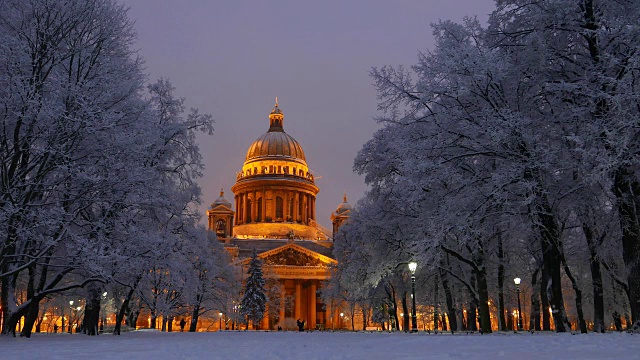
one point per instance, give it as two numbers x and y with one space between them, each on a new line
517 281
413 266
71 303
78 308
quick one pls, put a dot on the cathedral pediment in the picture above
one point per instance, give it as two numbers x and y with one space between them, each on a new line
293 255
220 208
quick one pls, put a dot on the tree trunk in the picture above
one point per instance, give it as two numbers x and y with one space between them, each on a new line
353 322
546 316
461 320
596 280
164 323
132 316
471 316
576 289
405 309
170 324
436 305
14 317
135 317
30 317
617 320
483 294
473 306
552 255
365 310
154 320
534 318
91 319
194 319
501 311
627 190
451 309
122 311
550 244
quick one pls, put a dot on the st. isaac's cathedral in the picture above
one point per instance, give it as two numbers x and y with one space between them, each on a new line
275 213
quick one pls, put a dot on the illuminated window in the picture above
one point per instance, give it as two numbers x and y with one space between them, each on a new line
221 228
279 206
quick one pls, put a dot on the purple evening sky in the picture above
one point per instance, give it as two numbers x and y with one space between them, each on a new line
232 58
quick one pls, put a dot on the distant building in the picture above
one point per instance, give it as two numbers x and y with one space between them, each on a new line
275 213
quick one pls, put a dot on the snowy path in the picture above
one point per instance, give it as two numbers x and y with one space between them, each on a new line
321 345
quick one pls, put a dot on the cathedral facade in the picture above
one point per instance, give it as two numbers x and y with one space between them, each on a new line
275 214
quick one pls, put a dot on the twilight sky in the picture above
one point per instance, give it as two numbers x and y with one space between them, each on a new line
231 58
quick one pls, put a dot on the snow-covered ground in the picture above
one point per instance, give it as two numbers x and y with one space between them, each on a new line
321 345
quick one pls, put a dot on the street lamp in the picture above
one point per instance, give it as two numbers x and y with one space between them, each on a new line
414 321
220 321
70 316
104 311
517 282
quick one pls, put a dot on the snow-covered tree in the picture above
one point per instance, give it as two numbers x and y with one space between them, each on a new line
502 148
254 299
98 173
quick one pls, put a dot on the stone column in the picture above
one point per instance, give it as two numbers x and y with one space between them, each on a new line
264 204
295 206
240 208
312 306
254 206
264 323
246 207
235 218
306 209
287 196
298 296
282 303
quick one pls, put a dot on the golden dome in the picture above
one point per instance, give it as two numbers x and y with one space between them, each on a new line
275 143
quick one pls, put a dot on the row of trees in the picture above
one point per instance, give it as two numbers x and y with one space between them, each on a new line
511 149
98 170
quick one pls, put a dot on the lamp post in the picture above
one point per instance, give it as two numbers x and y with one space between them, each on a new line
70 316
517 282
220 321
414 321
104 311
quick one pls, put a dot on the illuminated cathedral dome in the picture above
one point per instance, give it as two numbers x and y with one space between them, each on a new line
275 192
275 142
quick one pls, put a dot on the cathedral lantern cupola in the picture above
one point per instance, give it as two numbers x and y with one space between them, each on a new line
276 118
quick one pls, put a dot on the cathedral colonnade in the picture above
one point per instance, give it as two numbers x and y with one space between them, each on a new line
265 206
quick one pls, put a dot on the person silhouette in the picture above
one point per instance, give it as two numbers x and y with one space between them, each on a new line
182 324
